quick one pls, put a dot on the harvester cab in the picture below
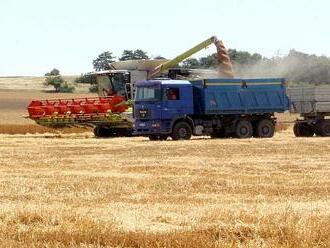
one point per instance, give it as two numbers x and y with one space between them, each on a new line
122 77
114 82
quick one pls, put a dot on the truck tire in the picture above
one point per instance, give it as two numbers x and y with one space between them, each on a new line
323 128
244 129
265 128
296 130
303 130
181 131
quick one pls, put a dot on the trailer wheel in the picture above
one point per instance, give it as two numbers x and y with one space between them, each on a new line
244 129
306 130
323 128
296 130
265 129
303 130
181 131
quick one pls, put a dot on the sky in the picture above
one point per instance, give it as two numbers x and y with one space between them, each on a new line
38 35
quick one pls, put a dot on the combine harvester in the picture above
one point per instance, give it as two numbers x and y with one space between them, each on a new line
109 113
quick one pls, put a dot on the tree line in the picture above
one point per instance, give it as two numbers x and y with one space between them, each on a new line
296 67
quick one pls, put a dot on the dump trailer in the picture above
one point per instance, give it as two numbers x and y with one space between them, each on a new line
313 106
109 113
218 108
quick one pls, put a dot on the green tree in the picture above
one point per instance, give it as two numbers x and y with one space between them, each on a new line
86 79
302 67
103 60
243 58
127 55
132 55
209 61
54 72
191 63
159 57
57 81
140 54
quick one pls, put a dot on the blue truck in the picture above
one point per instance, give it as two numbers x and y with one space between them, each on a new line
218 108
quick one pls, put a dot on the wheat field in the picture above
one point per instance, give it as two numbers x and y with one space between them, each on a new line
73 190
28 83
65 188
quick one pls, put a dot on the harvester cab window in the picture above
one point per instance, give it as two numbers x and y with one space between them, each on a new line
128 86
104 83
118 83
172 94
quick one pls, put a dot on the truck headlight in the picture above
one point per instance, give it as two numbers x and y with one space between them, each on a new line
155 125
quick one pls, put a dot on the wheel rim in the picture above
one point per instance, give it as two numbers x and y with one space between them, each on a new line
265 130
326 128
182 132
244 130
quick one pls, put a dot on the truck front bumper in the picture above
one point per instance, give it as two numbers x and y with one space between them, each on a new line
146 128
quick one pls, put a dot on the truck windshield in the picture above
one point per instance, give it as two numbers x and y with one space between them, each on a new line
147 94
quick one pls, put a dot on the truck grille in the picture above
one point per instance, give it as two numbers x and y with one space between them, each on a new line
144 113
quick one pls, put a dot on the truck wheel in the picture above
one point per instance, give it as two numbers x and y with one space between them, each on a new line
265 128
181 131
244 129
323 128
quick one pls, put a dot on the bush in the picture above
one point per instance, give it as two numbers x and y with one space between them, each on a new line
59 84
85 79
93 88
66 88
88 79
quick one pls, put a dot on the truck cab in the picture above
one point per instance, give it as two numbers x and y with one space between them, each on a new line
159 104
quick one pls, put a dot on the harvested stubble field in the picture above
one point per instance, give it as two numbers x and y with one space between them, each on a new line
68 189
72 190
